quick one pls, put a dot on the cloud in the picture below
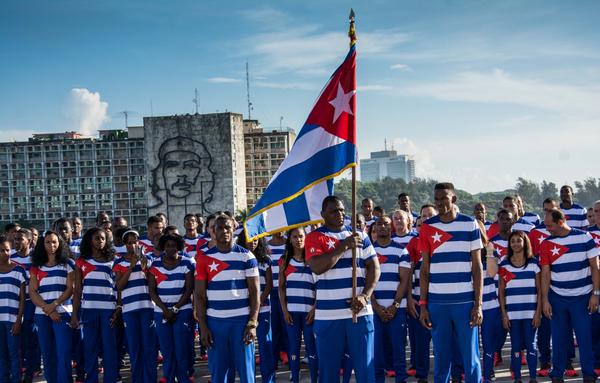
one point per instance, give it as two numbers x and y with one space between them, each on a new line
86 111
501 87
223 80
401 67
310 51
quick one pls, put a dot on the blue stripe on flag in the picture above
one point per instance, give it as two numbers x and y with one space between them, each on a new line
255 225
305 129
323 164
297 209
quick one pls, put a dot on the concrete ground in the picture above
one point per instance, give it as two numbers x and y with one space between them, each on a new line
502 372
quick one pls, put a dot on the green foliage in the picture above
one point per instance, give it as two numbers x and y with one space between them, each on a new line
385 193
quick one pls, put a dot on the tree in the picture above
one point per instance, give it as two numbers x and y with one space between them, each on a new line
588 191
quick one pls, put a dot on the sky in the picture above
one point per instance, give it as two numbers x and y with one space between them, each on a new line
480 92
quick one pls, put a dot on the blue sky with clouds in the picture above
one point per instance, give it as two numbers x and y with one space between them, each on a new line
481 92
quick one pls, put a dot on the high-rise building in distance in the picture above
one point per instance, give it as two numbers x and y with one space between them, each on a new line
387 163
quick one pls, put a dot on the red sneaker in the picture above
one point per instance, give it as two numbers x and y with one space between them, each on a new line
283 357
544 371
497 359
570 372
597 371
412 371
523 359
159 359
204 357
390 373
257 359
341 372
162 380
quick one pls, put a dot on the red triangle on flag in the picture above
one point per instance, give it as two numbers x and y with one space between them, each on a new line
501 250
289 269
506 275
381 258
160 277
214 266
39 274
434 236
554 250
84 266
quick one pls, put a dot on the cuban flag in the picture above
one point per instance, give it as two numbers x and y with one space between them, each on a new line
324 148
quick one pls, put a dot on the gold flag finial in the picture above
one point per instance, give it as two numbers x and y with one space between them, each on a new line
352 31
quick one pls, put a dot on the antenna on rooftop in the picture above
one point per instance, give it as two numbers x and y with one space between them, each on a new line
126 114
196 100
248 92
385 144
281 123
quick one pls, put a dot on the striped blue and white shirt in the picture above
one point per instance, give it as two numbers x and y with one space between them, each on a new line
299 287
522 225
537 236
334 287
74 248
98 284
595 232
568 258
10 283
134 295
262 277
25 263
520 290
417 260
227 290
275 252
449 246
170 283
52 282
391 258
532 218
576 216
191 245
403 240
490 286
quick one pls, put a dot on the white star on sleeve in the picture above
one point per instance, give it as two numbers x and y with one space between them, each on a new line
555 251
330 244
437 237
213 266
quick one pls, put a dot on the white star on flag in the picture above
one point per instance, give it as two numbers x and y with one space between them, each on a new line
330 244
341 102
213 266
541 238
555 251
437 237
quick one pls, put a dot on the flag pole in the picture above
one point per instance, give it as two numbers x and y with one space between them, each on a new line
352 36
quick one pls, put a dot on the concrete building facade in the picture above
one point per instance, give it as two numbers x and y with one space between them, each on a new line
265 150
195 164
171 164
55 175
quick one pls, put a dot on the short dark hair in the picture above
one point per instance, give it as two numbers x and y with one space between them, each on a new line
568 187
10 226
366 200
444 186
190 215
557 215
403 195
223 216
171 228
427 205
100 214
153 219
5 239
510 198
378 208
262 249
503 211
329 199
549 200
178 239
26 233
